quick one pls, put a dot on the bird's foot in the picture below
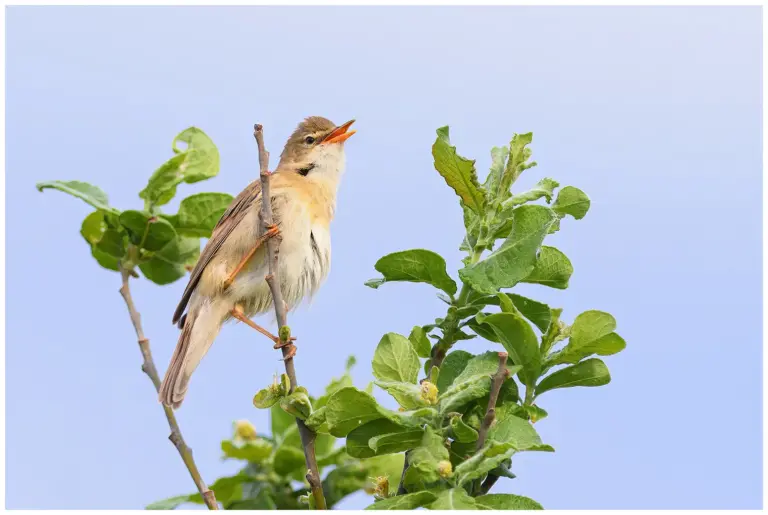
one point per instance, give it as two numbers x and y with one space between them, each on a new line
290 349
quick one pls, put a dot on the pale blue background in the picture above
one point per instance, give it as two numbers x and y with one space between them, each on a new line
655 112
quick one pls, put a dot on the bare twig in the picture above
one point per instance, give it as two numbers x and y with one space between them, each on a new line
273 279
490 415
148 367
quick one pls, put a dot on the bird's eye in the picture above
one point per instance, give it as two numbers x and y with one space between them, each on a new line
309 140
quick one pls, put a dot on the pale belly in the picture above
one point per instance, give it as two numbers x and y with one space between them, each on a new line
304 261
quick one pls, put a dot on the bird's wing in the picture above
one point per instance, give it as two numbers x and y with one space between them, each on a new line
228 221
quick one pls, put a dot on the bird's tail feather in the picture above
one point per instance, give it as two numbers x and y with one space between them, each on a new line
201 326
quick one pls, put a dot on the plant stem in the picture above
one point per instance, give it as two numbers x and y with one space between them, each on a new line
490 415
148 367
273 279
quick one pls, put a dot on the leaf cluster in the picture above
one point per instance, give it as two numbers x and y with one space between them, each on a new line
273 472
441 415
163 246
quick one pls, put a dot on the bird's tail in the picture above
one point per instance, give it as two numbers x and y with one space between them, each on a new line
201 326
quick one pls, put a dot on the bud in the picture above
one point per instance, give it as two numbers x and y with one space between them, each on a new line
284 333
245 431
445 469
428 392
380 487
297 404
285 382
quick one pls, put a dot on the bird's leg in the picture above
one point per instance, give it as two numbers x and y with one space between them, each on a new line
237 312
271 232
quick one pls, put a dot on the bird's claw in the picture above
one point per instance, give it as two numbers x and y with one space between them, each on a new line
290 352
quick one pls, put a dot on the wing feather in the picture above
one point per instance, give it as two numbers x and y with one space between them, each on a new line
224 227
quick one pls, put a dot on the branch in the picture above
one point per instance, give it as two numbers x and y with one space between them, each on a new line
148 367
490 415
273 279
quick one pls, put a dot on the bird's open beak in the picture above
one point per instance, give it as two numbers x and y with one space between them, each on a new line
339 134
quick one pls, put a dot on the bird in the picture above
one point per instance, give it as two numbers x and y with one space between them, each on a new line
228 282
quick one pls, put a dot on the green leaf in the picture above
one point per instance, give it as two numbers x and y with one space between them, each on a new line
262 501
544 188
344 480
91 194
535 413
420 342
407 395
518 159
452 366
498 163
556 332
415 265
454 499
316 420
280 422
517 337
389 465
536 312
507 502
485 364
93 227
591 333
482 462
105 260
350 408
171 262
255 450
150 232
461 431
483 330
404 502
199 161
591 372
514 260
202 156
518 433
227 489
395 360
424 461
396 442
458 172
358 439
288 459
267 397
473 383
296 404
199 214
571 201
552 268
112 243
169 504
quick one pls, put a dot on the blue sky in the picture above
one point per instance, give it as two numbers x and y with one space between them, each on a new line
654 112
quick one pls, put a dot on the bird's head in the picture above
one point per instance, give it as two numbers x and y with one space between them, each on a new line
316 148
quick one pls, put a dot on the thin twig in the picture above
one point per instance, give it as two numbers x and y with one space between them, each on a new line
273 279
490 415
148 367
